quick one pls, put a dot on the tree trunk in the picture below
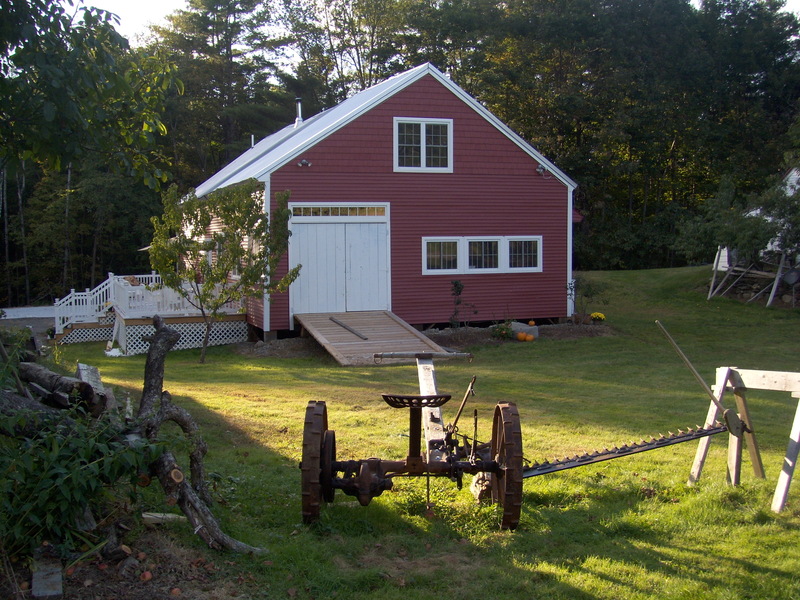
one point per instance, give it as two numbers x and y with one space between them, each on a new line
65 274
206 337
4 203
23 244
12 404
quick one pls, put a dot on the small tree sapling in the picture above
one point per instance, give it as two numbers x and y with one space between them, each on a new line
221 248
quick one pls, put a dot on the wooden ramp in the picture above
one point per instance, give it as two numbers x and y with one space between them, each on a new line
353 337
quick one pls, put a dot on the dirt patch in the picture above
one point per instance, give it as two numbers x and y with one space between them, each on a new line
157 569
295 347
463 338
458 339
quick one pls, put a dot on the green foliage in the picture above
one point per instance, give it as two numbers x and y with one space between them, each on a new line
83 231
779 208
70 85
725 220
48 481
646 105
14 341
347 44
503 330
221 249
584 291
226 54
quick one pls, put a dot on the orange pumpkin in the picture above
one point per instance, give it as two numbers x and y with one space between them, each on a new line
521 336
529 337
531 323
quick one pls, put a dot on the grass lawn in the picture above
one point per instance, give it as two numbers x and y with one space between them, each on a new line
623 529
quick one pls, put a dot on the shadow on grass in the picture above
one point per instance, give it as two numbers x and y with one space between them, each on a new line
579 538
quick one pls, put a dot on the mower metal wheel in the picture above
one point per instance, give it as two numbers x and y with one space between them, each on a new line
316 423
506 483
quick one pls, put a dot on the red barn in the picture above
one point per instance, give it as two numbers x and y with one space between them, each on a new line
403 189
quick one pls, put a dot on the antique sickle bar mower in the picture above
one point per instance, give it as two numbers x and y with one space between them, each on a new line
444 455
498 464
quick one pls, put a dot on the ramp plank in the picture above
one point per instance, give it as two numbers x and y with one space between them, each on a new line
342 335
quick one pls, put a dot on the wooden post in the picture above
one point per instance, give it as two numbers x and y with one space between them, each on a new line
750 433
711 418
714 274
777 283
789 462
734 459
777 381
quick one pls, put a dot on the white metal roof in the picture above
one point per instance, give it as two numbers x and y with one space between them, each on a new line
276 150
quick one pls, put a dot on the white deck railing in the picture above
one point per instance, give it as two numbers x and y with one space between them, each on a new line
129 297
83 307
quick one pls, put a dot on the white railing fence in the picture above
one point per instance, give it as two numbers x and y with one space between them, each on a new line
129 297
83 307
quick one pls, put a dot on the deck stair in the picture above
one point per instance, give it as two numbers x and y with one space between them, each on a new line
352 338
121 309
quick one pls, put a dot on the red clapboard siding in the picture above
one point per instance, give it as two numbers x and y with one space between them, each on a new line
494 190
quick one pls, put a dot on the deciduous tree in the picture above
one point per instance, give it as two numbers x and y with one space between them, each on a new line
221 248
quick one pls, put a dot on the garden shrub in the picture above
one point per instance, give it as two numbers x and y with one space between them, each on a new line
48 481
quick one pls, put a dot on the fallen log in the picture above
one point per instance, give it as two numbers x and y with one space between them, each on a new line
64 391
12 404
155 409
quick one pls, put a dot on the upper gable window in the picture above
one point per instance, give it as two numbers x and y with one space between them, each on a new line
423 145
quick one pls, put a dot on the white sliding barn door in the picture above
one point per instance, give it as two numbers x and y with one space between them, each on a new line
320 248
367 267
345 265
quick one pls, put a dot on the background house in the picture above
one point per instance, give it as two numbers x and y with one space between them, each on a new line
404 188
777 267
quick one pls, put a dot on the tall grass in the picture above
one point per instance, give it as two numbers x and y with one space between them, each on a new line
622 529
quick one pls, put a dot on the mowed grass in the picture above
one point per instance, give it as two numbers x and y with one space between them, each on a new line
622 529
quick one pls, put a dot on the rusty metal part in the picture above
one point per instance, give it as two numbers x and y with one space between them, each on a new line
326 461
506 481
626 450
316 422
453 427
371 481
401 401
415 465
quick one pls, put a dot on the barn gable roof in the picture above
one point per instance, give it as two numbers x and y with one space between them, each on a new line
277 149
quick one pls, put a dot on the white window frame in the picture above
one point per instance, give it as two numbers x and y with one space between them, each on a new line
423 123
503 244
426 270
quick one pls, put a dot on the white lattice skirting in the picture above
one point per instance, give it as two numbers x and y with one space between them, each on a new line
88 334
223 332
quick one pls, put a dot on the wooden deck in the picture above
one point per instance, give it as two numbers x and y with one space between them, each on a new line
353 337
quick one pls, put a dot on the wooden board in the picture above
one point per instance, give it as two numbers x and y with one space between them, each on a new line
342 335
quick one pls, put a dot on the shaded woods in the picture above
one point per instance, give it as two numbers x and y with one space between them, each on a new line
649 106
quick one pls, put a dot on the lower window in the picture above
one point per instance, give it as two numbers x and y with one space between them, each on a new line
488 254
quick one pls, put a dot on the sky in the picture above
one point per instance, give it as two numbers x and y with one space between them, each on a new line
136 15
